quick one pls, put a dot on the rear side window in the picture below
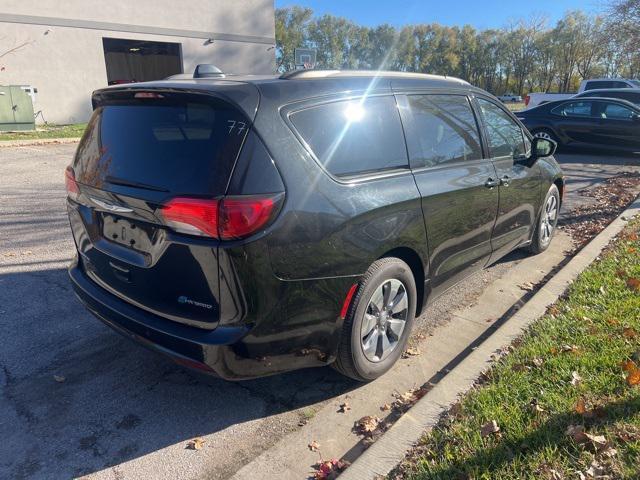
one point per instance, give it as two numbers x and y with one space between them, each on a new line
504 135
617 112
574 109
599 84
180 146
354 137
620 84
445 130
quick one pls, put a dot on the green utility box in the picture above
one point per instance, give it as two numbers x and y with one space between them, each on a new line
16 109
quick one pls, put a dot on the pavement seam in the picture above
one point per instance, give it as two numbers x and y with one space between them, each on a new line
390 449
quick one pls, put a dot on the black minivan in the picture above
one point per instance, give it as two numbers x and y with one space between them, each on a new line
247 226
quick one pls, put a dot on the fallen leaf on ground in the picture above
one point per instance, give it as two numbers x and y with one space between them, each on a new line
411 352
634 377
59 378
528 286
595 470
599 442
580 407
570 348
406 400
329 469
537 361
629 332
367 425
577 433
385 407
196 444
633 284
629 365
314 446
535 406
553 310
575 378
489 428
345 407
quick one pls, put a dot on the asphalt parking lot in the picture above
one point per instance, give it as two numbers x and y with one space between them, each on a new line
78 399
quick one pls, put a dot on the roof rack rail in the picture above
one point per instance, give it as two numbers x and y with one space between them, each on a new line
311 73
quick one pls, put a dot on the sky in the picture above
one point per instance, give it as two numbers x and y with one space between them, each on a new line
479 13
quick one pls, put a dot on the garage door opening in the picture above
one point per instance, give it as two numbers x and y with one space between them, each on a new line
130 61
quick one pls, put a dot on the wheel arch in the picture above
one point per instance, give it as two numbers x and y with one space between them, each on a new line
413 259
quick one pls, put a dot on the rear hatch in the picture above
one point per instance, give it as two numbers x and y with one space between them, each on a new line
143 150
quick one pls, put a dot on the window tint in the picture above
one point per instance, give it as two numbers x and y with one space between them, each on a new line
445 129
598 84
620 85
633 97
505 136
574 109
618 112
181 146
355 136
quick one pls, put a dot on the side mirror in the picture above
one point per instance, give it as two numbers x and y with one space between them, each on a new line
542 147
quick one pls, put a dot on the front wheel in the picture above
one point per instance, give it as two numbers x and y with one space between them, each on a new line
547 223
378 322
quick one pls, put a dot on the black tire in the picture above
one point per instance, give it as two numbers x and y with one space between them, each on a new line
351 359
540 242
546 133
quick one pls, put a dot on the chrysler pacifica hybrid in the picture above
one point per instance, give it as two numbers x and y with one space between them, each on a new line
246 226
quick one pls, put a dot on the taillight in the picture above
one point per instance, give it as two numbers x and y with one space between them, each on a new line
229 218
70 183
240 217
192 215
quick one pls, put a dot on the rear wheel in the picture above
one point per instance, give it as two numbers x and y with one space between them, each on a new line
379 321
547 222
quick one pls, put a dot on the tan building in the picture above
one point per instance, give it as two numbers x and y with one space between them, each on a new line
67 49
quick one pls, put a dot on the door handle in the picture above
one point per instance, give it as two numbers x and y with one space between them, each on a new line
505 180
491 183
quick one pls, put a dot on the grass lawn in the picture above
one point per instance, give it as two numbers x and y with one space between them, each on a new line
565 401
46 131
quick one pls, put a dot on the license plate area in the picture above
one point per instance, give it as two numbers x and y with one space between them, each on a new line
126 233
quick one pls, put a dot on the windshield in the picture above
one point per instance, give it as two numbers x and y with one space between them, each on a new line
636 82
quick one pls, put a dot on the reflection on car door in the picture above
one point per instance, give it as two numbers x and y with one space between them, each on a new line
616 126
457 185
520 193
575 120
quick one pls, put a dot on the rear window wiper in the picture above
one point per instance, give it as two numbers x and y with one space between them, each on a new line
129 183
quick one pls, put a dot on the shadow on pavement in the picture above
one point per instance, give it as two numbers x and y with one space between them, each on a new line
118 401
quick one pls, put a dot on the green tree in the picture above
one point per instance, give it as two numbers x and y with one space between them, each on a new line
292 24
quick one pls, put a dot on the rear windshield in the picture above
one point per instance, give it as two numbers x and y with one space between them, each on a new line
185 146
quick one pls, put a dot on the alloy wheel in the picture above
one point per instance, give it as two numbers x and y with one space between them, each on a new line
543 134
384 320
549 219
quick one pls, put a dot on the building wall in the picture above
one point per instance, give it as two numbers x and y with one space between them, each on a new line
60 43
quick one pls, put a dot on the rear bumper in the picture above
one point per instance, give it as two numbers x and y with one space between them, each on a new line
224 352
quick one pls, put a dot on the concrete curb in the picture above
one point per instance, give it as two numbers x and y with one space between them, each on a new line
391 448
37 141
